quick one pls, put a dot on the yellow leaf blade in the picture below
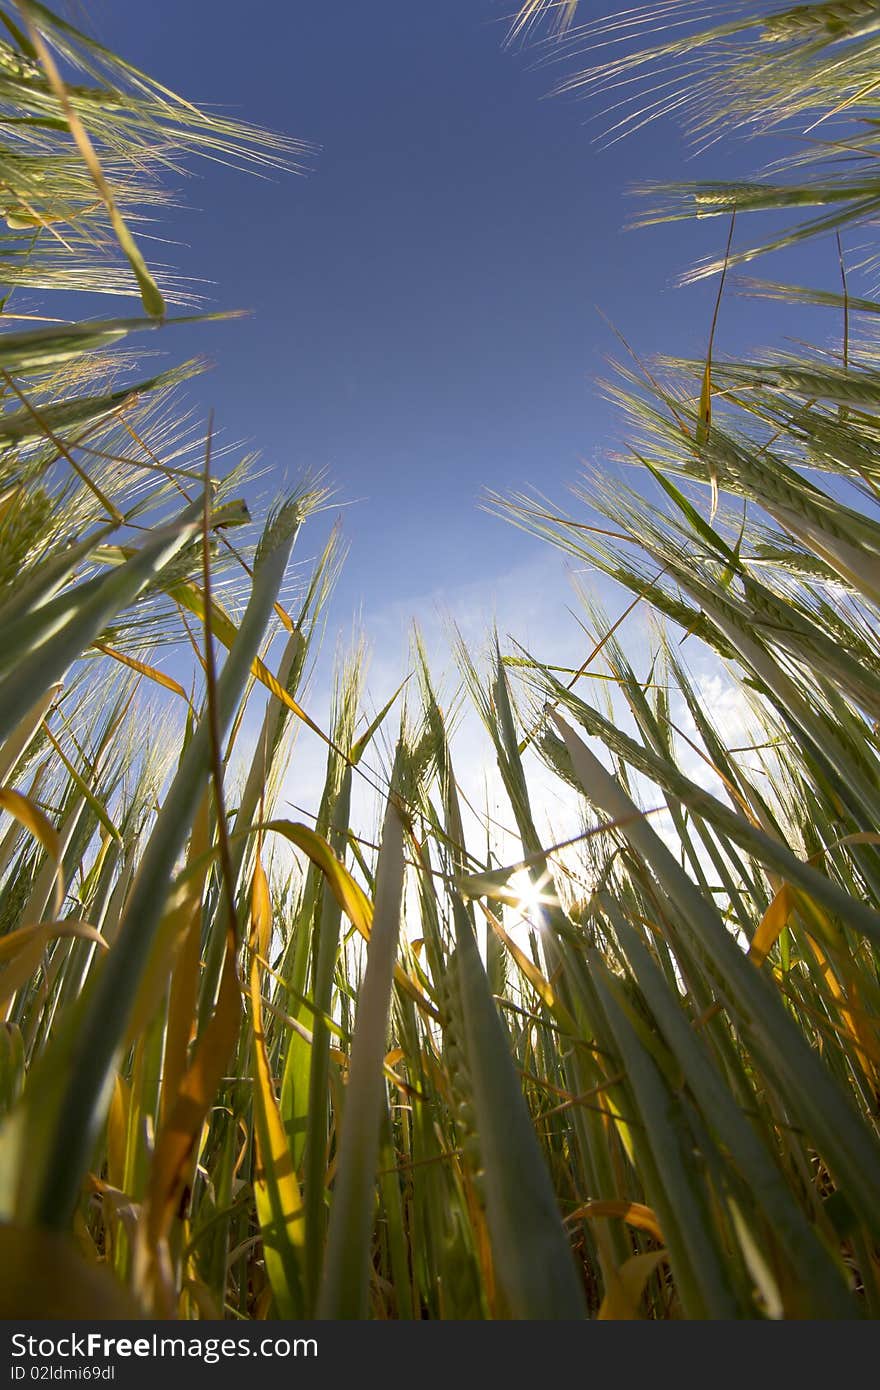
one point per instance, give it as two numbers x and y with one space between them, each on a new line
633 1213
622 1298
276 1190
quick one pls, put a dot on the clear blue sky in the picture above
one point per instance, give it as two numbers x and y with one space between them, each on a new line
423 301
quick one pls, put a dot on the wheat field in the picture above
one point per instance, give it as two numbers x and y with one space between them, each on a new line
253 1067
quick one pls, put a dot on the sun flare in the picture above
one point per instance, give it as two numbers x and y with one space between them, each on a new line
530 898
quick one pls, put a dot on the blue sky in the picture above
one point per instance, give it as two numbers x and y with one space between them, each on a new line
424 301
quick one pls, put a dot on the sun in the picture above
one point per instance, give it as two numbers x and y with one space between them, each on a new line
529 898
